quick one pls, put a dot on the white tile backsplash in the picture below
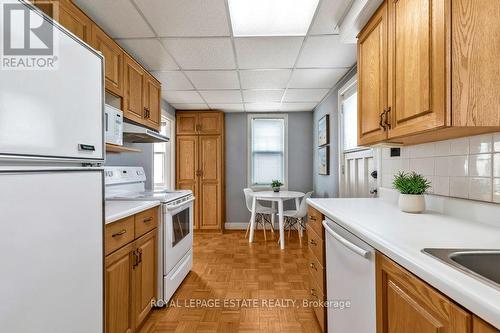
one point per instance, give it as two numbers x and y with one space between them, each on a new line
496 165
459 187
481 144
464 168
496 190
480 188
480 165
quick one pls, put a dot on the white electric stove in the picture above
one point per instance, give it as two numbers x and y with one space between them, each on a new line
175 232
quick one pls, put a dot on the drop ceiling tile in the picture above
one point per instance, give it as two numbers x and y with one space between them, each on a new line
150 53
305 95
290 107
222 96
261 96
184 18
173 80
214 79
327 51
330 12
201 53
262 107
178 97
316 77
193 106
267 52
227 107
119 19
265 79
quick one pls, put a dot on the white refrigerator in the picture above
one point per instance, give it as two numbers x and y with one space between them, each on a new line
51 186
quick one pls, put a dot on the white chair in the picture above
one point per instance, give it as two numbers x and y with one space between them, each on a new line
295 218
262 213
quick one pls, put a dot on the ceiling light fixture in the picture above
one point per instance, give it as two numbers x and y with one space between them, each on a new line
271 17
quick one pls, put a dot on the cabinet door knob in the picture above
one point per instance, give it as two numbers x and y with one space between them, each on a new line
312 242
313 266
149 219
313 292
312 218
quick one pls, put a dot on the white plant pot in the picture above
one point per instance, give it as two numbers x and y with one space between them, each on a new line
412 203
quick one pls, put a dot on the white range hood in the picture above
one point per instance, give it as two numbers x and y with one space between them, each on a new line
138 134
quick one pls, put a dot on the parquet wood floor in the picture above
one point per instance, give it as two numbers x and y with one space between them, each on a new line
227 267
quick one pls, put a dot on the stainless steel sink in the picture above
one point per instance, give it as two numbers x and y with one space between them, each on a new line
481 264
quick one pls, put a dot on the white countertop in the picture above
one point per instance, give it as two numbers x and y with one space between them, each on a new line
117 210
402 236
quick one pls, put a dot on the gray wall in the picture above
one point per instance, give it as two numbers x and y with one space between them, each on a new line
299 160
328 185
144 158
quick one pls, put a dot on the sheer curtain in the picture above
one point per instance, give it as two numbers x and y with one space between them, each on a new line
268 145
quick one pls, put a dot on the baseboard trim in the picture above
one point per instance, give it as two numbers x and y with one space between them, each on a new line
235 225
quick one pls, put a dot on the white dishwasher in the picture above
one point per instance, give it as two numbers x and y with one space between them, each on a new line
350 281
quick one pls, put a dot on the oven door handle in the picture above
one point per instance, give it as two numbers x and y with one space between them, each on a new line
181 204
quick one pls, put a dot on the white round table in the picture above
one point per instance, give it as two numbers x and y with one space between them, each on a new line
274 197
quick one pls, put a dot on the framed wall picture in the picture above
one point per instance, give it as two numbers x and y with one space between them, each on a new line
324 131
324 160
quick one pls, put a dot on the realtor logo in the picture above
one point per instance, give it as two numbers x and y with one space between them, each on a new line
27 39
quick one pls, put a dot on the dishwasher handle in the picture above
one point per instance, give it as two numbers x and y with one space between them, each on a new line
353 247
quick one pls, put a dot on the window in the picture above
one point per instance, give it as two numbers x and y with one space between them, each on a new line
349 105
163 157
267 149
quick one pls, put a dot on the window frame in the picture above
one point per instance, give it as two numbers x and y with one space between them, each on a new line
250 119
168 168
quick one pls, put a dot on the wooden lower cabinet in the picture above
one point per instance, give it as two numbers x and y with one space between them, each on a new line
316 264
118 290
144 277
407 304
130 274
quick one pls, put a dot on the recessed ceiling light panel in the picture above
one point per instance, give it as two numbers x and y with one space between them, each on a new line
271 17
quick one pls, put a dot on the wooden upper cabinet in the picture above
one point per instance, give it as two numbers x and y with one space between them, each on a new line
476 68
203 123
73 19
210 123
68 15
407 304
480 326
118 287
186 123
152 102
113 59
417 66
144 277
372 79
133 94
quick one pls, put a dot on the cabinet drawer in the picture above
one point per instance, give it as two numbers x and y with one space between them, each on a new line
316 271
316 245
146 221
315 220
320 311
118 233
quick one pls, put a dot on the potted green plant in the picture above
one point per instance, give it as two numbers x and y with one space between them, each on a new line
276 184
411 187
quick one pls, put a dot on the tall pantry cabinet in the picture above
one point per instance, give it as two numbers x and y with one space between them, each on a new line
200 165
